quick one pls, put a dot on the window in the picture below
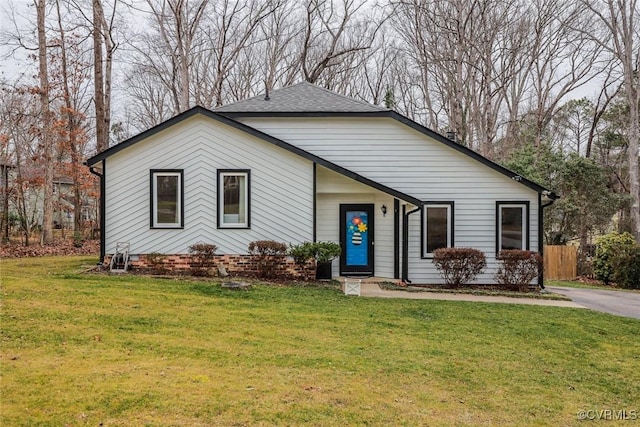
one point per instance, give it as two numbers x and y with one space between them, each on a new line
233 198
512 225
437 227
166 199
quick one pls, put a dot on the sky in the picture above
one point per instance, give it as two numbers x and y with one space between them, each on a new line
12 66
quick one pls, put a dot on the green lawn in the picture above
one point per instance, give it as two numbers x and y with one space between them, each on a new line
82 349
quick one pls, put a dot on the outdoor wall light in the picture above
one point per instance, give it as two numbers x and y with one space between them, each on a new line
384 210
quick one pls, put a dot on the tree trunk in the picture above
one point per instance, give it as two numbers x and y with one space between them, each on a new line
634 136
5 203
106 101
626 48
102 130
617 20
45 137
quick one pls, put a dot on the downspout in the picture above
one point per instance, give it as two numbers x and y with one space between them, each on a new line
315 198
396 238
552 198
102 209
405 242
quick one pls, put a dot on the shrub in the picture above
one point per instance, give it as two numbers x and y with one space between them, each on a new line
202 256
518 269
325 252
269 254
458 266
321 252
78 239
301 255
156 262
627 268
607 247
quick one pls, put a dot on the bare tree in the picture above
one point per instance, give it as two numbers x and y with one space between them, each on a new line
491 63
178 24
334 30
19 116
605 96
228 37
150 98
191 51
71 71
563 58
103 43
280 30
461 49
374 77
45 129
619 21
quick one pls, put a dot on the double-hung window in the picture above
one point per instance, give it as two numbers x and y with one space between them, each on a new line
233 198
437 227
512 225
167 198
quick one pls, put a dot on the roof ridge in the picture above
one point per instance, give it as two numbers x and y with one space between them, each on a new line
368 104
301 97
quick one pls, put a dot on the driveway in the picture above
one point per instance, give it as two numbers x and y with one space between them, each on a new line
620 303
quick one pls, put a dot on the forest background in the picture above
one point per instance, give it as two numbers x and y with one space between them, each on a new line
547 88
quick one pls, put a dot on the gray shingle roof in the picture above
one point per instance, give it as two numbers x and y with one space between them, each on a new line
300 98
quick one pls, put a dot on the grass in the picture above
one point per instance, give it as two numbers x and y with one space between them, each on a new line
80 349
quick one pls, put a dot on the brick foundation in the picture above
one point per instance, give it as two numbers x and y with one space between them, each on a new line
235 265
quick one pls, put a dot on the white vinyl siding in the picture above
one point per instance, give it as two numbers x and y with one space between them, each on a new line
393 154
335 189
281 187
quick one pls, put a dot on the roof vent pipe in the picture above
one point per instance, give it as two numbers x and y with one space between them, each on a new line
266 92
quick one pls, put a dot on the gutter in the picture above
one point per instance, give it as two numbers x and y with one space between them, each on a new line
405 242
552 198
93 170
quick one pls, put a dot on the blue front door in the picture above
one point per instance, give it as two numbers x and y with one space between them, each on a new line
356 239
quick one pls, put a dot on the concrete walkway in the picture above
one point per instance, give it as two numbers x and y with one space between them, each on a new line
369 289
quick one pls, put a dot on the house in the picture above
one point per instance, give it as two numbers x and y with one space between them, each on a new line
28 205
306 164
6 174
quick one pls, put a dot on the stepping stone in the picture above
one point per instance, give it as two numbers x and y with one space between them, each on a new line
236 285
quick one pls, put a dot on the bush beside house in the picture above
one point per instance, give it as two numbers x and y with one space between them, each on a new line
627 268
269 255
266 259
202 258
459 266
322 253
518 269
608 248
617 259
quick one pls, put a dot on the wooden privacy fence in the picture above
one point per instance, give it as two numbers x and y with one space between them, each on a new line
560 262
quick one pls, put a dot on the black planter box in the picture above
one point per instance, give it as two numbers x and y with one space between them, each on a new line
323 271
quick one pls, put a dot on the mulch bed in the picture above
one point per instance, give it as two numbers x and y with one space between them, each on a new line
89 247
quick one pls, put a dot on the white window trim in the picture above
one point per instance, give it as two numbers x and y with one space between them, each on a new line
523 207
425 231
221 221
154 201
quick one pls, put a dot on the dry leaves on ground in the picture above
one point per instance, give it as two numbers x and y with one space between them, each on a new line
89 247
